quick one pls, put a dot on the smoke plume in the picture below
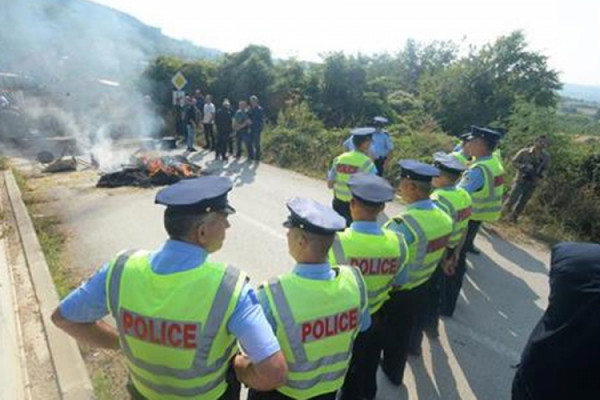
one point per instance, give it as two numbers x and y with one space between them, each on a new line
84 64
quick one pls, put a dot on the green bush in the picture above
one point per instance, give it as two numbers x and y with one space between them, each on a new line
566 202
300 142
3 162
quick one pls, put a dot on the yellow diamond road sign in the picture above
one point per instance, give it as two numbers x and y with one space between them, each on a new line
178 80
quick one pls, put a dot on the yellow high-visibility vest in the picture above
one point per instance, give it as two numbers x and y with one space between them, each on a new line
173 327
487 201
346 165
378 257
317 322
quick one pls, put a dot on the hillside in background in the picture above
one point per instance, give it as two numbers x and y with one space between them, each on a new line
583 92
67 39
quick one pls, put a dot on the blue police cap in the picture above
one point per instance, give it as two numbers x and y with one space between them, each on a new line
482 132
417 170
380 120
370 188
448 163
363 131
314 217
197 195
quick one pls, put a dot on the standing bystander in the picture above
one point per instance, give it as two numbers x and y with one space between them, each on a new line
207 121
257 117
531 164
223 120
240 127
190 123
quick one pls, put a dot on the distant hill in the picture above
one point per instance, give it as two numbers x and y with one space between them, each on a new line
71 39
583 92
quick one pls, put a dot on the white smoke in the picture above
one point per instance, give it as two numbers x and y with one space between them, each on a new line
87 62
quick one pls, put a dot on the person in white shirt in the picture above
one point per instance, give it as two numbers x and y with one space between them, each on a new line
208 122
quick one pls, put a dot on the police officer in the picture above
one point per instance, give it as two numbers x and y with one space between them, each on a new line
427 230
317 310
459 151
380 255
484 180
381 144
456 202
346 165
178 314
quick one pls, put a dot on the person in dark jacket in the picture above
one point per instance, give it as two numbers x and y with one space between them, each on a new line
223 121
190 123
561 360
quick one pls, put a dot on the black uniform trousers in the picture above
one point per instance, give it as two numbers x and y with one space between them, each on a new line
342 208
401 314
361 378
380 164
275 395
429 320
224 143
452 284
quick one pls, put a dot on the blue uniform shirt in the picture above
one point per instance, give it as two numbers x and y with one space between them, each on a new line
373 228
473 180
319 272
348 145
366 227
425 204
248 323
381 144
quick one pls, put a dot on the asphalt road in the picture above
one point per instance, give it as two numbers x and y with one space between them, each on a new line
503 294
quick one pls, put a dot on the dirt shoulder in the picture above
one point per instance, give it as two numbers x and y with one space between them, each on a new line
40 369
47 197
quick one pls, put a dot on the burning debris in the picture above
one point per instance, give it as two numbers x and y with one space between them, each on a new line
62 165
147 169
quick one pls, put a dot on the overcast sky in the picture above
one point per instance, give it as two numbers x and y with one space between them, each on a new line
568 31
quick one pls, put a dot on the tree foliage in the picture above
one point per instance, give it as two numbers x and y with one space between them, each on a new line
421 83
425 90
483 87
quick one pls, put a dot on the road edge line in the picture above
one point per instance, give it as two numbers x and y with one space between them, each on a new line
71 371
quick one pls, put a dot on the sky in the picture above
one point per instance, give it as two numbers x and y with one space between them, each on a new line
567 31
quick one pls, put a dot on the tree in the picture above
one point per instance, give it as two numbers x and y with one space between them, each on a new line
340 98
483 87
249 72
404 70
157 78
289 85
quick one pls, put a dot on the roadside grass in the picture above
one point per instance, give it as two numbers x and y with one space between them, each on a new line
51 239
102 385
3 162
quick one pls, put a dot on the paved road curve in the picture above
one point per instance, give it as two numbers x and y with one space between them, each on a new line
502 299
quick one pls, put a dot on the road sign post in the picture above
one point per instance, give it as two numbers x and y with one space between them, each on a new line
178 80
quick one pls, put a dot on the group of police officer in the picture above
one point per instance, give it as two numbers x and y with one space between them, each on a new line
193 328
